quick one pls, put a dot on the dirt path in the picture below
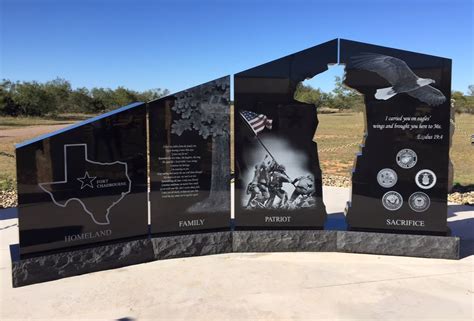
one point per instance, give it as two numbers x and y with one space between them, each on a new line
17 135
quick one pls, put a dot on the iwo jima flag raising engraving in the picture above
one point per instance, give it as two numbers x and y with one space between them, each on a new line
257 122
267 188
281 189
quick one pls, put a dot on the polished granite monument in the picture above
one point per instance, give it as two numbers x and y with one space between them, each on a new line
85 184
83 191
278 182
190 159
400 177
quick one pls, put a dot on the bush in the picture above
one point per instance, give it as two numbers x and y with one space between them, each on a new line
463 103
57 97
342 98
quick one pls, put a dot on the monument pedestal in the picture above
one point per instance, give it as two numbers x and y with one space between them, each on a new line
59 265
196 244
76 262
284 241
426 246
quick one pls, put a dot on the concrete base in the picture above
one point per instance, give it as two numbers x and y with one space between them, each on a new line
59 265
442 247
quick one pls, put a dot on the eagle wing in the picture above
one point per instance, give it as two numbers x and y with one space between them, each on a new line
394 70
429 95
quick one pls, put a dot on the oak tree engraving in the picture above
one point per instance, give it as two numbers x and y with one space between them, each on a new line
205 109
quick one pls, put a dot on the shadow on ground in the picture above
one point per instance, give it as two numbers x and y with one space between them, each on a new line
453 209
336 222
8 213
465 230
15 252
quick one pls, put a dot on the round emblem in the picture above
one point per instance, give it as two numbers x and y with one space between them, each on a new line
425 179
392 201
406 158
387 177
419 202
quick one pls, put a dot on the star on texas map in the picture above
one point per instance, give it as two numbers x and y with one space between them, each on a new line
96 186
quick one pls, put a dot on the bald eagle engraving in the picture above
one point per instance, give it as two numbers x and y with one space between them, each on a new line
400 76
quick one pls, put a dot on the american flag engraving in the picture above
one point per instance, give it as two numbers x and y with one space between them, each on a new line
257 122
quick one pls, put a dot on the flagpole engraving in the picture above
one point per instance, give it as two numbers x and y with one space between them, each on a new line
257 123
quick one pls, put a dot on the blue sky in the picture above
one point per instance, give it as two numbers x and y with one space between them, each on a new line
178 44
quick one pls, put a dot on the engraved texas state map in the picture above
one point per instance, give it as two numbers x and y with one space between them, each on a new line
97 186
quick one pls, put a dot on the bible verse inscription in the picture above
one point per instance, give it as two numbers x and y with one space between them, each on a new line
431 131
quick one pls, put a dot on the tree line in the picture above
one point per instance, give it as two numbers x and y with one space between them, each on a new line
341 98
32 98
464 103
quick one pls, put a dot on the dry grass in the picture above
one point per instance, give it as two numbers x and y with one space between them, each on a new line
7 122
462 151
14 130
338 136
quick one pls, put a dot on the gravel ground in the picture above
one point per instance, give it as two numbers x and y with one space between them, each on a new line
336 181
461 198
9 198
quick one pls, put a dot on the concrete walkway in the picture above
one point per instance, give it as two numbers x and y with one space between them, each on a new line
275 286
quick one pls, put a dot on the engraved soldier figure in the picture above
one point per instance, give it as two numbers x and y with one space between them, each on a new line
277 178
304 190
258 187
